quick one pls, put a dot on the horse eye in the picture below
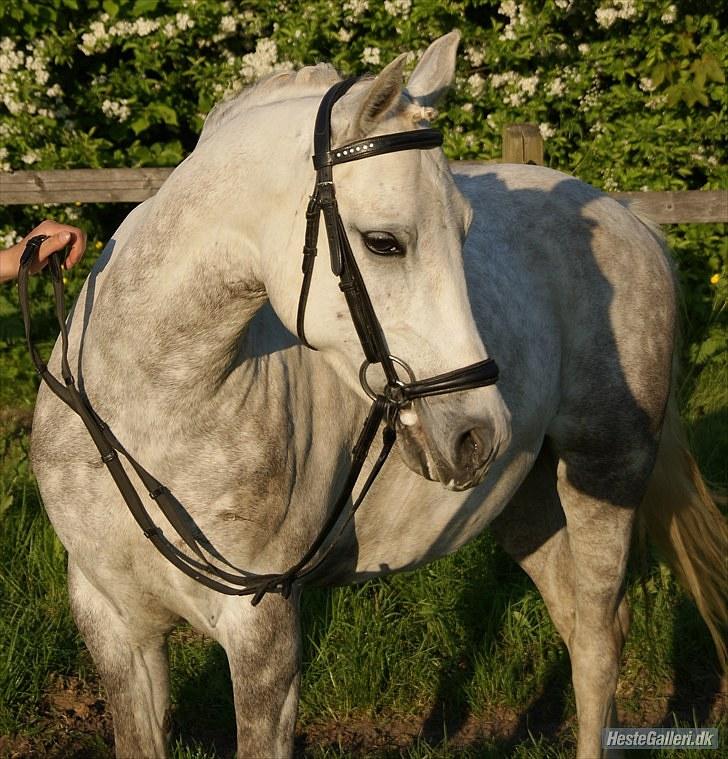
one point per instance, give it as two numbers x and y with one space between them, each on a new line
383 243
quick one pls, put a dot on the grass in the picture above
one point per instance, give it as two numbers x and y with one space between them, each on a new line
459 659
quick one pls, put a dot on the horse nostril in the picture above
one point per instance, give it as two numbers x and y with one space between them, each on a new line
473 450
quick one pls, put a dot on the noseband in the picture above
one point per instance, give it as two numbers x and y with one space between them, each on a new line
385 407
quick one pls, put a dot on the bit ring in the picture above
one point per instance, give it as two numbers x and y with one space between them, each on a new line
389 389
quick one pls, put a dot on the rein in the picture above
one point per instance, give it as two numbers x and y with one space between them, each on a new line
385 407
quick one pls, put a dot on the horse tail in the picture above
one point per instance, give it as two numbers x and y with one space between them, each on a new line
680 515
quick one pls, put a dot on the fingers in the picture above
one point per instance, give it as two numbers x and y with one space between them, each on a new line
59 236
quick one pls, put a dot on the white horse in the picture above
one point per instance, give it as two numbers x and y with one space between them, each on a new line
182 341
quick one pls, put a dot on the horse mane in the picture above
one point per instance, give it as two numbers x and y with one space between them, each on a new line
309 80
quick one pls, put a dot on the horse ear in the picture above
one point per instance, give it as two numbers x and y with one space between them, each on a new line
435 72
382 94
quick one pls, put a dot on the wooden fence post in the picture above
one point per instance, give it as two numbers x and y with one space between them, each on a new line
522 143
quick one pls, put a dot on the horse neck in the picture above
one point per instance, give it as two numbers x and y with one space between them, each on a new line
184 287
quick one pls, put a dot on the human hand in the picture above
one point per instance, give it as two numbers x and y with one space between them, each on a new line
59 236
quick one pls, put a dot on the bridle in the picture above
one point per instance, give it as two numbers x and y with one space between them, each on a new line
385 407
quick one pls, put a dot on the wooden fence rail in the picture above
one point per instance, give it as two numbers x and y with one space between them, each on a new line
522 143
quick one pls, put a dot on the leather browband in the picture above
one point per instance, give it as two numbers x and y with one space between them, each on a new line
420 139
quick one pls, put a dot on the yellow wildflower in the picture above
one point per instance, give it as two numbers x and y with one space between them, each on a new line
715 279
98 245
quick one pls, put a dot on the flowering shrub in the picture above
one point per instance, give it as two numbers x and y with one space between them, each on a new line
628 94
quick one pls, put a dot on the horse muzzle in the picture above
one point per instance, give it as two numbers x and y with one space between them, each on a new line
461 462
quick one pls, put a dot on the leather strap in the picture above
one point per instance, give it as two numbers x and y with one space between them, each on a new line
417 139
198 567
384 409
471 377
343 261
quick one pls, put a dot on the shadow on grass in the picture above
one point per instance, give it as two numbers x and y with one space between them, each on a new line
496 585
204 712
697 681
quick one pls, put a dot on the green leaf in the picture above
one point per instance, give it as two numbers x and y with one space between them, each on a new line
165 113
144 6
658 74
713 69
111 8
140 124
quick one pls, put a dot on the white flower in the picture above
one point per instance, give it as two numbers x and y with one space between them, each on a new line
14 106
606 15
647 84
475 56
116 109
4 166
398 7
9 237
11 60
145 26
467 107
509 8
121 29
356 7
515 99
371 55
583 48
54 91
609 183
261 62
490 121
589 100
228 24
546 130
476 83
516 15
183 21
562 4
30 157
669 16
557 87
37 66
499 80
344 34
528 84
170 30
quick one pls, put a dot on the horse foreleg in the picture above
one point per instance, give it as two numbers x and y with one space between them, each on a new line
263 646
130 652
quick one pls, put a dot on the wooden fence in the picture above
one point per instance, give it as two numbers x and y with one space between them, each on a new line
522 143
